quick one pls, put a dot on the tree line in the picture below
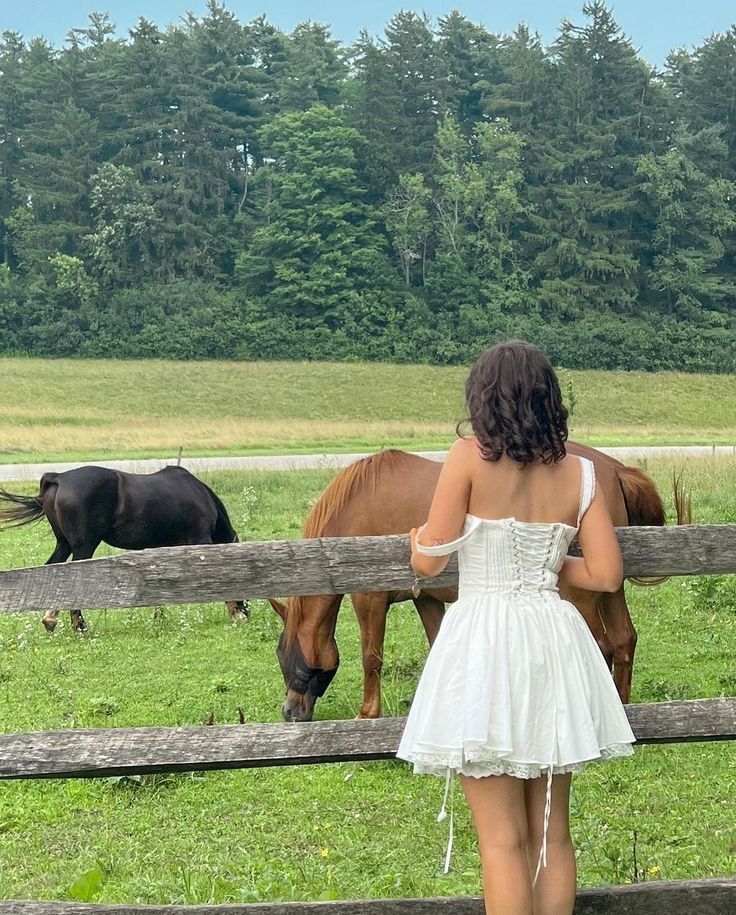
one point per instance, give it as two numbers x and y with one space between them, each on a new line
227 190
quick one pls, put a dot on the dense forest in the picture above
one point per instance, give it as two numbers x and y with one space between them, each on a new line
226 190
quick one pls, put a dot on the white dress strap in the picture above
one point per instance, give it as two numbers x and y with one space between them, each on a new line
587 486
442 549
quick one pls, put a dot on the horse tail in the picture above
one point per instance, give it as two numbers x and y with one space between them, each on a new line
644 506
643 503
683 503
224 531
23 509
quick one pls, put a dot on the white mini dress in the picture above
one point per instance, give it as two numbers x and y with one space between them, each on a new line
515 683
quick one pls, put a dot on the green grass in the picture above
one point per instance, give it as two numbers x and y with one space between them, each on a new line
331 831
86 409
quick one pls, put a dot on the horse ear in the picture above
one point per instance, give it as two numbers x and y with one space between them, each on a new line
278 607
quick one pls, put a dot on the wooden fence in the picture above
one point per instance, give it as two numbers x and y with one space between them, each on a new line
332 565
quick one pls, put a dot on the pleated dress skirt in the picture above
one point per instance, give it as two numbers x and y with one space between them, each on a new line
514 684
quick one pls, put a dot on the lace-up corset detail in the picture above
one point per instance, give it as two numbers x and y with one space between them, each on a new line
511 556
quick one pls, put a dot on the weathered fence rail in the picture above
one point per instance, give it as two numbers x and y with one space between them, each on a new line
333 565
684 897
87 753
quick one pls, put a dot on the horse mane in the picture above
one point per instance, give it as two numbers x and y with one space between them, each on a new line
350 482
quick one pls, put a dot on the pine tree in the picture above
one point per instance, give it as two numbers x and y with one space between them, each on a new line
704 82
373 106
13 117
270 48
416 67
314 71
521 89
583 199
692 212
472 63
60 149
321 250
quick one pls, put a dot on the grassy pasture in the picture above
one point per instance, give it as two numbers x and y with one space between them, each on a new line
332 831
86 409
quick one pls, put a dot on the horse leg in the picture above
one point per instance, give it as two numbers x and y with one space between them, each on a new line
61 553
622 636
371 610
588 605
238 609
64 517
81 552
431 612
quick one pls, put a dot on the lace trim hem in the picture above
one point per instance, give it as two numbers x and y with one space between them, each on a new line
480 764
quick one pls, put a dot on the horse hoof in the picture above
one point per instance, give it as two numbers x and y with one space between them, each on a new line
49 624
239 610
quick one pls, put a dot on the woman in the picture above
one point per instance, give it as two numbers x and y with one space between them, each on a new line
515 694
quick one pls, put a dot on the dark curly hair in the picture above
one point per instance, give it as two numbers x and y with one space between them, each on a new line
515 406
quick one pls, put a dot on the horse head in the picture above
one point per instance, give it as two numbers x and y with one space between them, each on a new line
307 651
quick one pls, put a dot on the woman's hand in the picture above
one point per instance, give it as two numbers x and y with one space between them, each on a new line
413 533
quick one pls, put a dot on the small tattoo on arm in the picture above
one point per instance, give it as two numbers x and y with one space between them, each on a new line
437 541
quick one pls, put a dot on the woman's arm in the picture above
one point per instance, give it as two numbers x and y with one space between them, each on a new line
601 567
447 512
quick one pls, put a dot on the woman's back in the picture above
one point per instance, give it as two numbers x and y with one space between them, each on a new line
536 493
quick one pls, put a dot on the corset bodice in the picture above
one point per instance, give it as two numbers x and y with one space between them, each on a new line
511 556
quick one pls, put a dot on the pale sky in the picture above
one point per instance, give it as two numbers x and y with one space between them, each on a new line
656 26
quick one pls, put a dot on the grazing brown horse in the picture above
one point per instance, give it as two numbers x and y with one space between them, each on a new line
133 511
389 493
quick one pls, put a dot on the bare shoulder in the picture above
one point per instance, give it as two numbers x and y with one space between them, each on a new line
563 476
465 444
571 464
464 450
462 456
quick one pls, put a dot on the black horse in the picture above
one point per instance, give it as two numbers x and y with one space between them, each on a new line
89 505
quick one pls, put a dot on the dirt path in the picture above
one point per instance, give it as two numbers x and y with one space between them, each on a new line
14 472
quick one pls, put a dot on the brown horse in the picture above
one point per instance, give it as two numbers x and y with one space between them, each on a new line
389 493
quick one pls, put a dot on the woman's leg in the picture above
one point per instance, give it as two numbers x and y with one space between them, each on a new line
554 891
499 814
